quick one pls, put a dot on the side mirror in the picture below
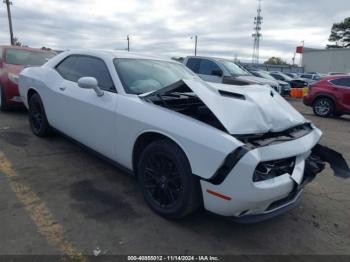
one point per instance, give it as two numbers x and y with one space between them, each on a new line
90 83
216 73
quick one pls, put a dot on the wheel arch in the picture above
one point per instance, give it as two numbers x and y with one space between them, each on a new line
324 95
31 91
147 137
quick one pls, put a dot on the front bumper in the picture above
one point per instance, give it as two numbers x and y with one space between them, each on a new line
246 198
307 100
290 202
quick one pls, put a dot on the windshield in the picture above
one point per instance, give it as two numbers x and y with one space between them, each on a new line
140 76
266 75
26 57
288 78
234 69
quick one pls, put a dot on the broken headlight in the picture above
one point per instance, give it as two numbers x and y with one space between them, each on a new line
270 169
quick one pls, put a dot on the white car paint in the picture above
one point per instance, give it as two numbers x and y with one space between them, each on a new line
112 123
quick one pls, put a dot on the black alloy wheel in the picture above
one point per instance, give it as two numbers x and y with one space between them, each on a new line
37 117
162 180
166 180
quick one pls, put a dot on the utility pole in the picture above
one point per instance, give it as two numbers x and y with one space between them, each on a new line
8 3
293 59
257 22
128 39
195 44
301 55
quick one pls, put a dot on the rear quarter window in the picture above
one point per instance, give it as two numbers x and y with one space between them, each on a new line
345 81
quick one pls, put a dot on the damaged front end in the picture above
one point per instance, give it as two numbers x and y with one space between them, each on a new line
320 155
256 116
275 150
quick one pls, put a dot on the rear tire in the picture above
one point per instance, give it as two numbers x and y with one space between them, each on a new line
3 105
166 180
37 117
323 107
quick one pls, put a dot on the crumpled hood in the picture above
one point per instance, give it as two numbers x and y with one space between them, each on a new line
252 109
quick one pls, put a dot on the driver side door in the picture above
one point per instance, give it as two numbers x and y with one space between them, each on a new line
80 113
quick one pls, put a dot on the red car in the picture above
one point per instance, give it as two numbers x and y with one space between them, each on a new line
12 61
330 96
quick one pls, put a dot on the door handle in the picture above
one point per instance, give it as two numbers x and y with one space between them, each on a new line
62 88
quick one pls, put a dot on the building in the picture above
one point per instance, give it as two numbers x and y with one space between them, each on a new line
326 60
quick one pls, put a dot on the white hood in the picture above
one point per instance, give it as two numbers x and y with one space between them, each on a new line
263 110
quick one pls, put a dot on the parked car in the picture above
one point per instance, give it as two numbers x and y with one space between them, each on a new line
330 96
295 83
218 70
284 87
311 77
292 75
337 73
12 61
242 152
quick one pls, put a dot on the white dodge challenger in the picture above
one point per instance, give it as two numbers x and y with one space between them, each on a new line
241 151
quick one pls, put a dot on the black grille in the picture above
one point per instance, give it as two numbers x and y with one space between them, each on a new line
275 168
259 140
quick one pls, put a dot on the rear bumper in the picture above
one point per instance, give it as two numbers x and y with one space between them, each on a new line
285 92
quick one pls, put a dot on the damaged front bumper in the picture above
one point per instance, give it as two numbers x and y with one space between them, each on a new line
250 200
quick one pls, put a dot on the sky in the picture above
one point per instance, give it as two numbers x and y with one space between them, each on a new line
165 27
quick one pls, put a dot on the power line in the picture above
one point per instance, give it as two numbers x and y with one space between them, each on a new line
8 3
257 28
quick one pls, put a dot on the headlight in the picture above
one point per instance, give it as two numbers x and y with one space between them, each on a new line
13 78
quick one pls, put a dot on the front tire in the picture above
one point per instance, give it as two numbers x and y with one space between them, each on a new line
166 180
37 117
3 104
323 107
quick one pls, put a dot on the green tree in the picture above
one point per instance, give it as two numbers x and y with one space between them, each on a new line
340 34
275 61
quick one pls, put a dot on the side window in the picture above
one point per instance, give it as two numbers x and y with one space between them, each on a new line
341 81
67 69
0 53
94 67
75 67
193 64
208 67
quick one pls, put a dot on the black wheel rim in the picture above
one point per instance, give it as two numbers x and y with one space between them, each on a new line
162 180
36 116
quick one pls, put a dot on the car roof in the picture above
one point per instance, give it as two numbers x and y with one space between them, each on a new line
115 54
211 57
23 48
332 77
